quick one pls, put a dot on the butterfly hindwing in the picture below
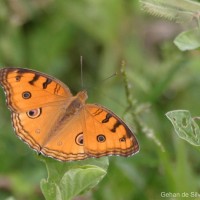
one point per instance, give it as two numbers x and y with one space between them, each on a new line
61 139
68 143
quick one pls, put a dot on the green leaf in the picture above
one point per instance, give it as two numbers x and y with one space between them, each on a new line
188 40
185 126
69 179
10 198
180 11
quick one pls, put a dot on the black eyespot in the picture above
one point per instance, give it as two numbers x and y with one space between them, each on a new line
34 113
79 139
123 139
18 78
101 138
26 95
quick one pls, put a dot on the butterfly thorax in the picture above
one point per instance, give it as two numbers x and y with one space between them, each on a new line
76 104
82 95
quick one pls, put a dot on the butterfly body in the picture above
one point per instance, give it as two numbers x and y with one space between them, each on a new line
57 124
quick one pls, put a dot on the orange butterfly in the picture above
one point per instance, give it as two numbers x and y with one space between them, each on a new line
52 121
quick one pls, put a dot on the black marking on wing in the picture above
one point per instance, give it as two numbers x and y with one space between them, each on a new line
35 78
122 139
101 138
116 125
26 95
18 78
97 112
19 70
79 139
20 73
46 83
108 116
57 88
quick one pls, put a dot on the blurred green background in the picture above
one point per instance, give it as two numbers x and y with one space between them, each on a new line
50 36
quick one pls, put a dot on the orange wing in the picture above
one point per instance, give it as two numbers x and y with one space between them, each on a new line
68 143
107 134
27 89
53 133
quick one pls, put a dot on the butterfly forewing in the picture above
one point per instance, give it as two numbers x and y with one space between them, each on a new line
26 89
107 134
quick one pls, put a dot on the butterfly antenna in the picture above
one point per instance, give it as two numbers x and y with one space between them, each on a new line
114 74
81 61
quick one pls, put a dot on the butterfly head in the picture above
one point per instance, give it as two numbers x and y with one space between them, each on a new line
82 95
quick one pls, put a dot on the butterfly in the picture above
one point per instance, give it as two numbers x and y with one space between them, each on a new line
53 122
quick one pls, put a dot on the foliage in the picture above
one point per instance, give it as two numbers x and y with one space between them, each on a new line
185 126
50 36
180 11
67 180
